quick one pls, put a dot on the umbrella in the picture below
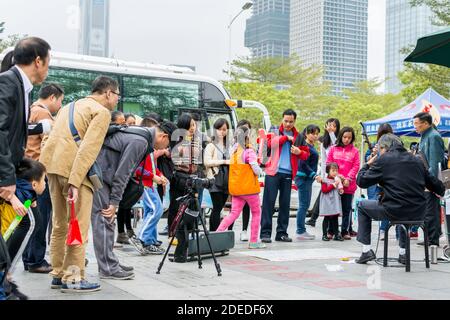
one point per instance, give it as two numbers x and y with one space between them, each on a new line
433 48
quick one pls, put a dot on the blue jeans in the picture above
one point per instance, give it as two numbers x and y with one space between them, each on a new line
153 211
281 182
304 186
34 254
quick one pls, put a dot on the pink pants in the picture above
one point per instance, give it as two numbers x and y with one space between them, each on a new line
237 204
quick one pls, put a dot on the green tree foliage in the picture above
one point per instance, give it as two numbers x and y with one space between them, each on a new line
281 83
10 41
440 8
418 77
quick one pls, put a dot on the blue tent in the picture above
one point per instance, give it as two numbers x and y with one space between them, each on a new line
402 120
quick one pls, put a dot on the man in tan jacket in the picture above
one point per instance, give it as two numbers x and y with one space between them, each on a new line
67 168
42 111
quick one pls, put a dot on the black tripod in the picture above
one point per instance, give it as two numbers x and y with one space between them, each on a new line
184 205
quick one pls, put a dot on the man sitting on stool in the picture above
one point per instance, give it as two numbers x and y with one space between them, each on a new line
403 178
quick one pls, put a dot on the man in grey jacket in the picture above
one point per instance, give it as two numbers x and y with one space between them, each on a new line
432 149
119 156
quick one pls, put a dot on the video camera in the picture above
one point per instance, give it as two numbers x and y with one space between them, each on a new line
196 183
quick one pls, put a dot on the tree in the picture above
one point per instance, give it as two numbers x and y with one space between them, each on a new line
282 83
365 104
418 77
440 8
10 41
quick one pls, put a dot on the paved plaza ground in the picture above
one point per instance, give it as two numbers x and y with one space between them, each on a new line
310 270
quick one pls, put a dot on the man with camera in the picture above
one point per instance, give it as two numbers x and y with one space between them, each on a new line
403 178
123 150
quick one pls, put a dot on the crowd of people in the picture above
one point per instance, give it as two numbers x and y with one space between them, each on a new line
91 161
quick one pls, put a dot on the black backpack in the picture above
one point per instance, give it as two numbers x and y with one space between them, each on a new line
134 189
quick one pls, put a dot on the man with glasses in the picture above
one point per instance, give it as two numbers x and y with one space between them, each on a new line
67 166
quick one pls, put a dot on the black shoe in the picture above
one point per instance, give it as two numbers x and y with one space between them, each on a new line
15 293
402 259
311 222
422 243
284 238
338 237
325 238
266 240
366 257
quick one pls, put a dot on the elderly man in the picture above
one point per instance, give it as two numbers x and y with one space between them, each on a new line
403 178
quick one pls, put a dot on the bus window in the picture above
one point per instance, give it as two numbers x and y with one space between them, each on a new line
77 84
212 97
163 96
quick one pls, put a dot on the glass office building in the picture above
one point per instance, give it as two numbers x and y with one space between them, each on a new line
404 25
94 31
332 33
267 31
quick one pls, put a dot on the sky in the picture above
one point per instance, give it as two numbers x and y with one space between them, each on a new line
182 32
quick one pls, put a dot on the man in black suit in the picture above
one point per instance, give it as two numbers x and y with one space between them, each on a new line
31 58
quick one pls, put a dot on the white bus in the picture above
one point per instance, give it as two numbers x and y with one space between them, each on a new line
166 90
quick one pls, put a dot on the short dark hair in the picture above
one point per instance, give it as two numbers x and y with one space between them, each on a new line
290 112
51 89
154 116
167 127
384 129
330 166
148 122
424 116
129 115
220 123
28 49
312 128
244 123
344 130
184 121
115 115
103 83
30 170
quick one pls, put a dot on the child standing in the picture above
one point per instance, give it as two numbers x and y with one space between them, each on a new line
244 185
330 202
146 241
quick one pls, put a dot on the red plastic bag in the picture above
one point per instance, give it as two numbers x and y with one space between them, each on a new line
74 235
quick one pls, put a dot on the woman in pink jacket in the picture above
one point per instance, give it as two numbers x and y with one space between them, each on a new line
346 156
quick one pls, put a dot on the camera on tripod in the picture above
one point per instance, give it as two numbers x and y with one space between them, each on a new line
196 183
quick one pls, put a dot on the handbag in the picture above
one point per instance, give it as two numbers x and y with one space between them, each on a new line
134 189
74 234
95 172
221 178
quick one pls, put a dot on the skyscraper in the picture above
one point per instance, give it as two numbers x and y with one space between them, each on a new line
332 33
267 31
404 25
94 31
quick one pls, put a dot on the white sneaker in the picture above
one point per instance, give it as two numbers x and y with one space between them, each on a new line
244 236
305 236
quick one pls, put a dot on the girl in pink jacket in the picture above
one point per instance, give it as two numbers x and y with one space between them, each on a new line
346 156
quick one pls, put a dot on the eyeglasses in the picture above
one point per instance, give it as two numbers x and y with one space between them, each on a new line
116 93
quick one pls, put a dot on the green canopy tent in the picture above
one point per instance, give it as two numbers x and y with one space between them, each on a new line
433 48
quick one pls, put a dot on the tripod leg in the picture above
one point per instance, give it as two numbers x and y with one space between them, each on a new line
219 271
168 249
197 235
